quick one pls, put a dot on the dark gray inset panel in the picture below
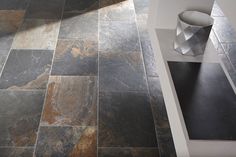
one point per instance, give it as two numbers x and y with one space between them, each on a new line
207 100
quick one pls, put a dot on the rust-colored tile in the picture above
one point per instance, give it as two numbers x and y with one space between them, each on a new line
71 101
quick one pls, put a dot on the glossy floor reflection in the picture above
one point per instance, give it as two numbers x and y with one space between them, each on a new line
75 78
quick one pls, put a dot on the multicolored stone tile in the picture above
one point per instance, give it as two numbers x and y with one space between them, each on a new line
76 57
26 69
79 26
125 120
118 36
67 141
9 23
166 146
37 34
128 152
45 9
20 114
71 101
13 4
224 31
16 152
75 6
118 11
121 72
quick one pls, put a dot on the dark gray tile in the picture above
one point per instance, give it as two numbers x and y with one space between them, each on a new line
16 152
128 152
76 57
67 141
45 9
10 21
230 50
26 69
3 57
13 4
118 36
125 120
71 101
79 26
20 114
163 131
141 6
118 12
223 29
75 6
216 10
121 72
105 3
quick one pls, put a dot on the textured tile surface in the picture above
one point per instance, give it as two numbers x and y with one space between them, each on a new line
9 24
45 9
76 57
224 30
121 72
118 36
141 6
230 49
20 114
128 152
216 10
118 11
37 34
3 58
16 152
125 120
75 6
67 141
26 69
71 101
79 26
13 4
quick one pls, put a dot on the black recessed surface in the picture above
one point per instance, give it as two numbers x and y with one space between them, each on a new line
207 100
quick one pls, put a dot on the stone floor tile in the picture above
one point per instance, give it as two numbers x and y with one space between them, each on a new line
14 4
16 152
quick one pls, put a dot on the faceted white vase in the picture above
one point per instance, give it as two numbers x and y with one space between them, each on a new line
192 32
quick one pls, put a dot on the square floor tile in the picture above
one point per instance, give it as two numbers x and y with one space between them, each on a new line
71 101
128 152
75 6
26 69
76 57
125 120
141 6
67 141
20 114
37 34
79 26
45 9
13 4
118 11
121 72
118 36
16 152
224 31
9 24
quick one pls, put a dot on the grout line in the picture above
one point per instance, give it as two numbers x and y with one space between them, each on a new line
37 136
147 83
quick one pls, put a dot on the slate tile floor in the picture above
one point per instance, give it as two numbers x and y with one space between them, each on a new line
78 79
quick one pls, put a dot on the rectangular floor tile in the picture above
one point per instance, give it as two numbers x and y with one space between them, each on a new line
26 69
224 30
128 152
125 120
9 24
117 11
118 36
79 26
76 57
45 9
37 34
67 141
20 114
121 72
75 6
16 152
71 101
13 4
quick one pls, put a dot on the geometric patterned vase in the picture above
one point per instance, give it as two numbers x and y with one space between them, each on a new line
192 32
